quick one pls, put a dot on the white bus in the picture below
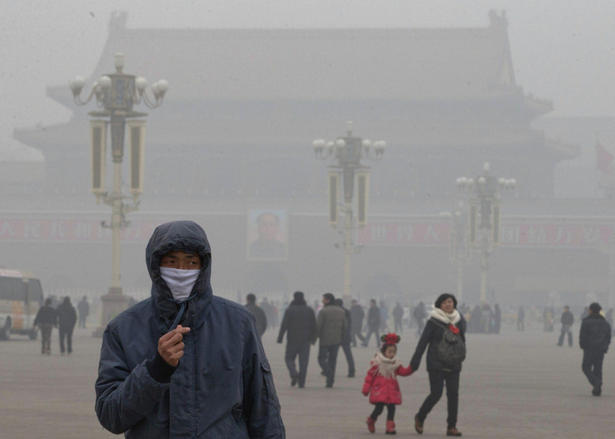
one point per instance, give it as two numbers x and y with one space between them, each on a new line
21 296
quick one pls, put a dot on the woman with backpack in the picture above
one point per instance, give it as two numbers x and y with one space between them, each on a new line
444 333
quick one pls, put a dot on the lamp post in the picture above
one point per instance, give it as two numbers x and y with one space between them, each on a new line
459 249
116 94
484 216
346 173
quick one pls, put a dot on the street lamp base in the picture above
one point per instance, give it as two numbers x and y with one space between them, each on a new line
113 303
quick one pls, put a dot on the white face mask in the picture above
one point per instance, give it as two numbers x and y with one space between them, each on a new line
180 282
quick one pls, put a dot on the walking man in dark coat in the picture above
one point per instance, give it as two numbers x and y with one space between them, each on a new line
67 317
83 307
258 313
567 322
299 325
46 319
594 339
346 340
373 323
185 363
356 322
331 326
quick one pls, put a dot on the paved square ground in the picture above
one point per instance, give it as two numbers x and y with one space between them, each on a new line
514 385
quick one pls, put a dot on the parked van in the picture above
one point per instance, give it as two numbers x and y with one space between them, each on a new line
21 296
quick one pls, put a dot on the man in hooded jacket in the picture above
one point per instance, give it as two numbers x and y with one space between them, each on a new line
594 339
185 363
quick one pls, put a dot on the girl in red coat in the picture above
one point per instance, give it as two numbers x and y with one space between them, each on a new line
381 382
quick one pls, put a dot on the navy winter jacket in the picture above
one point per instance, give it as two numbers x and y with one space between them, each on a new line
222 387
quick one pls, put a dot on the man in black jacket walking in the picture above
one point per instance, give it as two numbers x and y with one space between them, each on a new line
67 317
567 322
46 319
373 323
594 339
299 323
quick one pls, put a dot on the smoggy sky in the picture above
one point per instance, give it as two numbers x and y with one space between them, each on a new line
563 50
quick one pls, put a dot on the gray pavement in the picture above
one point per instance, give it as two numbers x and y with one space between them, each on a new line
512 386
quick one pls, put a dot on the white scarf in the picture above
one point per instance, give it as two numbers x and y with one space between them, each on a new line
452 318
386 366
180 282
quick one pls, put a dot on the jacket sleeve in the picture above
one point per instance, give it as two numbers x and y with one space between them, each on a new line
583 335
283 327
313 328
422 345
123 396
404 371
608 331
320 320
369 379
260 401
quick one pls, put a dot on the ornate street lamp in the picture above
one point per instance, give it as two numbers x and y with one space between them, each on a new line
459 248
484 216
116 94
346 173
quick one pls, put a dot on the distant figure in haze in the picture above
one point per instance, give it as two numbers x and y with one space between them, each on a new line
497 319
258 313
46 319
347 339
419 315
398 314
384 316
356 322
373 323
331 326
267 245
521 319
594 339
299 325
67 317
567 322
83 307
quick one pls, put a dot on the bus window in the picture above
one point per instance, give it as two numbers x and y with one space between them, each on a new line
35 292
12 288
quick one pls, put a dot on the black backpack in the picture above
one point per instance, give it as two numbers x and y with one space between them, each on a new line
451 350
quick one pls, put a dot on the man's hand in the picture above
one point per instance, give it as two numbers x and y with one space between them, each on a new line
171 346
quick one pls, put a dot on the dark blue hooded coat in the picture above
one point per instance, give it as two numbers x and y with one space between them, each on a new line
222 387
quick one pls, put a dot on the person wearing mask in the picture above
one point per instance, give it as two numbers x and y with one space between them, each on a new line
594 339
331 326
46 318
444 339
258 313
299 325
185 363
373 323
567 321
67 317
